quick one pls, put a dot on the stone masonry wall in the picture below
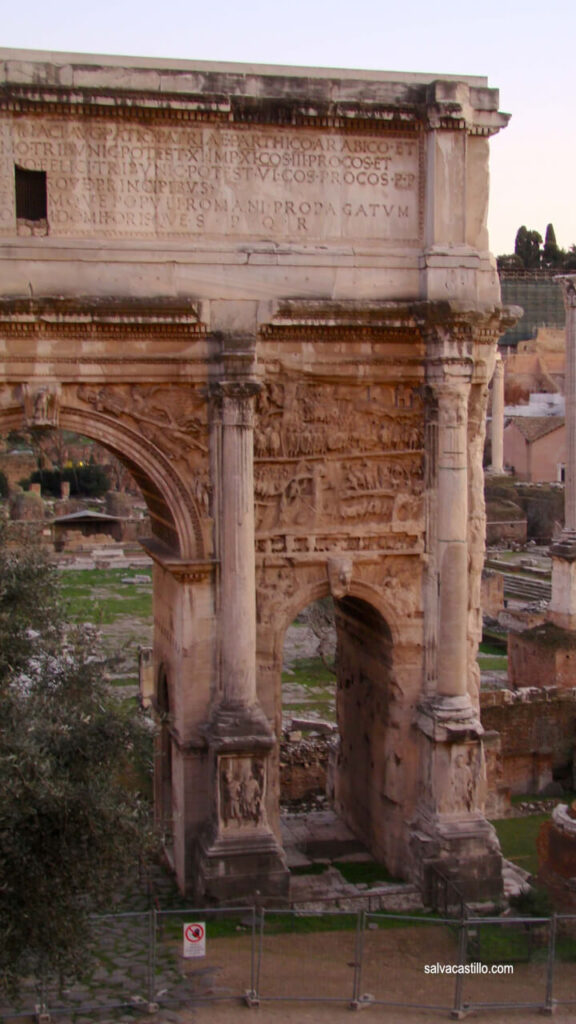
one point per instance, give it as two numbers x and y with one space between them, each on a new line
537 731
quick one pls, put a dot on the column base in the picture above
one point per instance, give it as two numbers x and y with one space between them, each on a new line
242 869
448 719
464 850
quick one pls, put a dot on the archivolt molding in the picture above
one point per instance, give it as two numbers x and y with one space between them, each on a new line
153 463
287 595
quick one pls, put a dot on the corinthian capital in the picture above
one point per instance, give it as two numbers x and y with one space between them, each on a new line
235 399
569 290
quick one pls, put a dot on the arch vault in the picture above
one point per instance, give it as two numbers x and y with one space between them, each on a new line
269 292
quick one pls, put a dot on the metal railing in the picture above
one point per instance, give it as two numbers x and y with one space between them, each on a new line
257 954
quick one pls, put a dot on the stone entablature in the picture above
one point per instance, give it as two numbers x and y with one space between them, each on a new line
269 292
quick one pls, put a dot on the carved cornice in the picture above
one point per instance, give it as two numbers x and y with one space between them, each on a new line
111 318
433 322
182 108
185 570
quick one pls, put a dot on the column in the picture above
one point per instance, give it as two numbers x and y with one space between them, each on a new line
239 852
237 564
449 833
498 417
562 610
569 287
452 393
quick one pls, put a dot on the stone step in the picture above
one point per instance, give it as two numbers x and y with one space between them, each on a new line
530 590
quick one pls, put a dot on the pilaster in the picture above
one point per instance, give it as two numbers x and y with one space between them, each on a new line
498 417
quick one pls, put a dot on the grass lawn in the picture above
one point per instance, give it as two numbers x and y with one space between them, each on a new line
100 596
310 688
518 839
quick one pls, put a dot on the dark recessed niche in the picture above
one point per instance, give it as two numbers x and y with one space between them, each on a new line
31 203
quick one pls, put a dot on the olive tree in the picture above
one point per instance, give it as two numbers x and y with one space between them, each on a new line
69 829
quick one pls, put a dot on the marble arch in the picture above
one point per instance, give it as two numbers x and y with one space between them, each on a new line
270 291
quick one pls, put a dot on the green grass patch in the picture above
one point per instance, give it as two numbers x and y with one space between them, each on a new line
310 869
309 672
518 839
493 647
537 798
509 943
99 596
367 872
303 924
493 663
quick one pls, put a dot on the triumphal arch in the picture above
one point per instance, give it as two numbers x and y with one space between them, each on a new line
268 291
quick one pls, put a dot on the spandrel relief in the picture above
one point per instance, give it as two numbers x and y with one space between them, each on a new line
171 418
241 792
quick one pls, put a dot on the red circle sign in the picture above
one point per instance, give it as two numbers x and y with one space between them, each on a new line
194 933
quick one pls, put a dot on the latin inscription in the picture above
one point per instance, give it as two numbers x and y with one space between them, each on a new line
136 181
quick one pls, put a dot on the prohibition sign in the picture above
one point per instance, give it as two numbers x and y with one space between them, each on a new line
194 932
194 939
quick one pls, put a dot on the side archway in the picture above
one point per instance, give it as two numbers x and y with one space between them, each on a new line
174 514
367 776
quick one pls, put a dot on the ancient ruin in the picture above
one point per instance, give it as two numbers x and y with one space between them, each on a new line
268 291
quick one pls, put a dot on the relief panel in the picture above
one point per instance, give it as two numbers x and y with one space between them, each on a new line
331 459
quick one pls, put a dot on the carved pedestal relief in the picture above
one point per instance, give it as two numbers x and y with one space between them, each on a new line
241 793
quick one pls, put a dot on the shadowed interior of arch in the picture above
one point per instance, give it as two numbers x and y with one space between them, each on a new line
337 692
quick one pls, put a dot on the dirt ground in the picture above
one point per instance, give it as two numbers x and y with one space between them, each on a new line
321 965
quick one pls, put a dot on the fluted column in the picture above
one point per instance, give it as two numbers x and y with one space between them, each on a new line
237 565
569 288
498 417
562 609
452 498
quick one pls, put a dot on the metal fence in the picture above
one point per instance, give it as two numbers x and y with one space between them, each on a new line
142 961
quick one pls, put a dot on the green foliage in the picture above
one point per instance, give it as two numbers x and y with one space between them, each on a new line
552 256
535 902
368 872
87 481
69 830
527 247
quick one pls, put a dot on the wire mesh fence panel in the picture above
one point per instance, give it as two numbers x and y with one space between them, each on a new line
24 1003
307 957
403 960
564 981
204 955
506 963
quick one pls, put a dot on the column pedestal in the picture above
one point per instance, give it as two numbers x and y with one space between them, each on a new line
562 608
240 857
450 838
